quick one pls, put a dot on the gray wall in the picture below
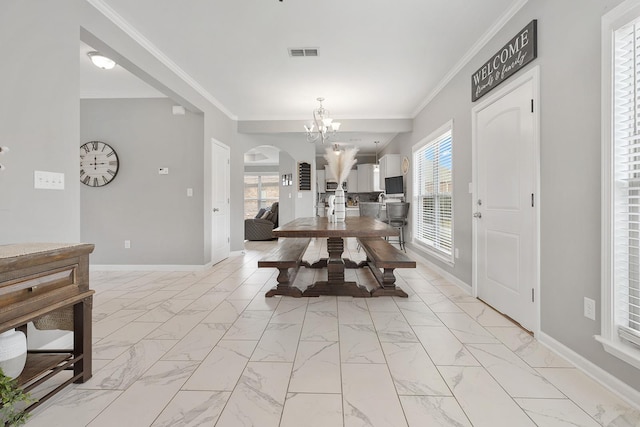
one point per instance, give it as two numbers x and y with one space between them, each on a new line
39 120
102 34
287 206
569 60
151 210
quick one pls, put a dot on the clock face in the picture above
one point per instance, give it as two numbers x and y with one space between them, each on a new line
98 164
405 166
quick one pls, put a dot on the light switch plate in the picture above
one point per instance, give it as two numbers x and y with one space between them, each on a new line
589 308
43 180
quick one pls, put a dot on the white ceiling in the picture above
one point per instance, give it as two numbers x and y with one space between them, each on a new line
377 60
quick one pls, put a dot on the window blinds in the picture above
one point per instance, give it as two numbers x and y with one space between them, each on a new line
433 200
626 128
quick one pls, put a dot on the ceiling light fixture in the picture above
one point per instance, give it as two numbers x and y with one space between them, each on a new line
101 61
323 127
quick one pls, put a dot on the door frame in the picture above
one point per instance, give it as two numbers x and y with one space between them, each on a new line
531 75
211 201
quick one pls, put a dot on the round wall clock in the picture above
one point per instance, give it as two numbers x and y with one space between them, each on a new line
98 163
405 166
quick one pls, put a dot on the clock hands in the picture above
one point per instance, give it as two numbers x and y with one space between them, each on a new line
95 165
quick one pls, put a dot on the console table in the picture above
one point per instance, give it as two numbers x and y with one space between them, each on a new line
48 283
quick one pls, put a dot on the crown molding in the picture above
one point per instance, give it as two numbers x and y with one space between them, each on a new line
475 49
125 26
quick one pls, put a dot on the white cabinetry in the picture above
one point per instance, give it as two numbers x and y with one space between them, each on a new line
328 175
390 165
368 180
352 182
321 181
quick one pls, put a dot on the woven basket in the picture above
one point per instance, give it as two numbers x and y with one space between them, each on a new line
59 319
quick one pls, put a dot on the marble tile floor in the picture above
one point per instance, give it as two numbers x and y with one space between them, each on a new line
207 348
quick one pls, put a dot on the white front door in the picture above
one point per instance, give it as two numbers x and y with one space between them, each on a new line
220 224
505 211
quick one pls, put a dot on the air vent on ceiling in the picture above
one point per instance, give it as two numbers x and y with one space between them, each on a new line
303 51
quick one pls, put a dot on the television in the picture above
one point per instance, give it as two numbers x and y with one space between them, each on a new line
394 186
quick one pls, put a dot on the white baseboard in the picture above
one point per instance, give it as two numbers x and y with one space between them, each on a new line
624 391
442 272
157 267
152 267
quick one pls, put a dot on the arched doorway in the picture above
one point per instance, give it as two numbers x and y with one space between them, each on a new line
261 181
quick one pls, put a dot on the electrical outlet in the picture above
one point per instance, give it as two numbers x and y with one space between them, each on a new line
589 308
127 244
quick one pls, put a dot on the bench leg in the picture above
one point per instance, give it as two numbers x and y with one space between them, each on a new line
388 285
285 282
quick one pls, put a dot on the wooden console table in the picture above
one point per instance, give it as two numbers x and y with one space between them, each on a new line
36 280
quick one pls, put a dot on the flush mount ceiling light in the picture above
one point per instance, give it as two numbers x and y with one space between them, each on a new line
101 61
323 127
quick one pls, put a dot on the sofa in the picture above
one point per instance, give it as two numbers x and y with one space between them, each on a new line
261 227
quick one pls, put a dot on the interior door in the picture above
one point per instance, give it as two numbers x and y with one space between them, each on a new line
220 222
505 198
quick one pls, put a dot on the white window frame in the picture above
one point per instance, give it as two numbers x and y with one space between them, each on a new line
259 199
434 137
620 16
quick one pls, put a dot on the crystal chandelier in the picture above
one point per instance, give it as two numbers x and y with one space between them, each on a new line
323 126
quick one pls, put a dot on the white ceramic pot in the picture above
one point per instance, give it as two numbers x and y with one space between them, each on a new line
13 352
340 208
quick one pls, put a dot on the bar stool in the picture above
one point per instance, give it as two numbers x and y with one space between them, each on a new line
370 209
397 217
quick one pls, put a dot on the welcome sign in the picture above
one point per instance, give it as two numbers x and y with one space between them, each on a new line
520 50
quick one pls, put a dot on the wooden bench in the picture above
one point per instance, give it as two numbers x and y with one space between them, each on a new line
382 255
287 258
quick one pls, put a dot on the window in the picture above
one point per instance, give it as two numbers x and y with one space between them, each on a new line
260 191
621 187
432 193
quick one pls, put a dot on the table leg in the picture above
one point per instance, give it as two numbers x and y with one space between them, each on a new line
335 264
82 338
335 284
335 247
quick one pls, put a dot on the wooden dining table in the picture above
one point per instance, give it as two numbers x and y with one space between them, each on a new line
335 232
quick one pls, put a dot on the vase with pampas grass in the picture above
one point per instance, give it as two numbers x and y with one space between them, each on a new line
340 163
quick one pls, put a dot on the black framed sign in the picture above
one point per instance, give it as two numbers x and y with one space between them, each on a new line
520 50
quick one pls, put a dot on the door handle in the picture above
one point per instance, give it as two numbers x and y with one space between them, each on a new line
216 209
477 215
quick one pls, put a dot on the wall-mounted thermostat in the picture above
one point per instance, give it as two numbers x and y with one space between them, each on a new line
163 171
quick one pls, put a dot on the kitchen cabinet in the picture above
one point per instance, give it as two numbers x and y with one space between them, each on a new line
321 181
328 175
390 165
368 180
352 182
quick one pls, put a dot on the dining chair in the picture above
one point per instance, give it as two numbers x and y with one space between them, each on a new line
397 213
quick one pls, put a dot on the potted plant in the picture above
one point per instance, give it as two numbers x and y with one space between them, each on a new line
13 402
